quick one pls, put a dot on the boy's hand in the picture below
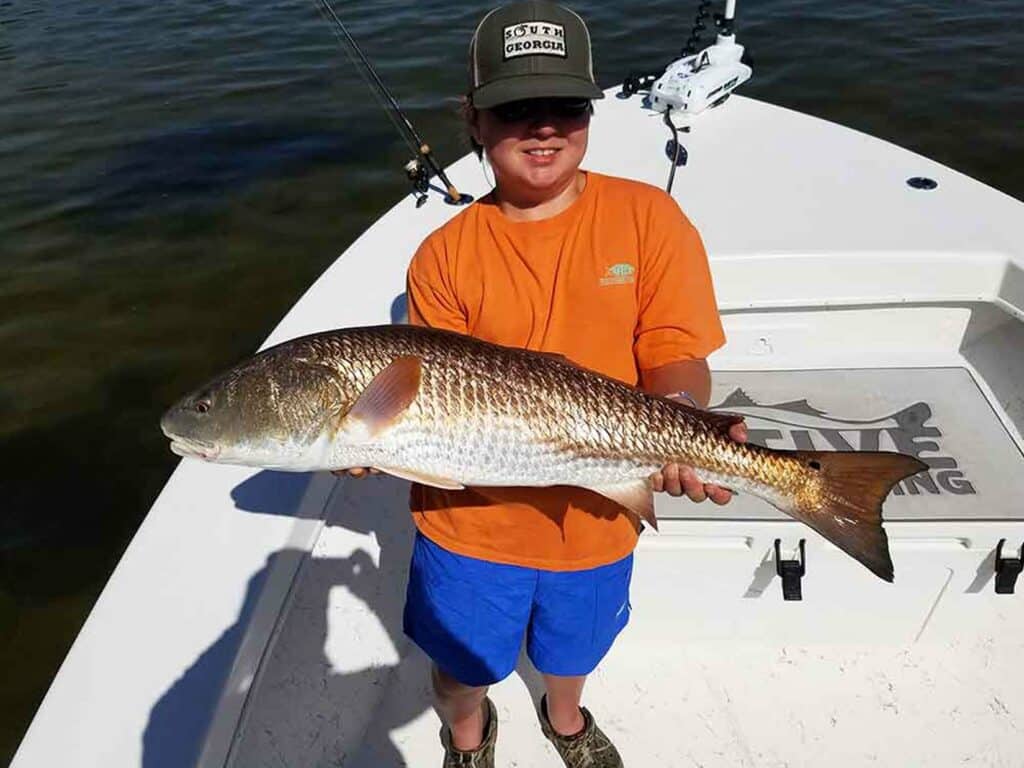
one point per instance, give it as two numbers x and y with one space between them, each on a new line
355 472
677 479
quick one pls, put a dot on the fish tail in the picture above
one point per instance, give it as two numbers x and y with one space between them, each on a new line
844 500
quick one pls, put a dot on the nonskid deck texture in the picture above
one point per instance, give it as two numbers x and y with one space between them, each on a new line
343 687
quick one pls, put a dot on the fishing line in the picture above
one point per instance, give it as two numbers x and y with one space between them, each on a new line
365 70
420 168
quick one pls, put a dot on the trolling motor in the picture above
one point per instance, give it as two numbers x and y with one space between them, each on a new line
700 79
705 79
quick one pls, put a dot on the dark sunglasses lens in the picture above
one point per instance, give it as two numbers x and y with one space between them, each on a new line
514 111
531 109
570 107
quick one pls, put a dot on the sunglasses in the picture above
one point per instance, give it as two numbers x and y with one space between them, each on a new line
532 109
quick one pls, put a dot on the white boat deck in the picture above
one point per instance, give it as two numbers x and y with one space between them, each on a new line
343 686
255 620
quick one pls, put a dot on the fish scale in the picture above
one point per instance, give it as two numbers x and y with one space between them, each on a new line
543 403
450 410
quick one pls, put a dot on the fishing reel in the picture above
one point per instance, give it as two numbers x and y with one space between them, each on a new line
419 170
419 176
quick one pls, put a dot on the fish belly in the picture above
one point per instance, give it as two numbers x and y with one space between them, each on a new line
496 456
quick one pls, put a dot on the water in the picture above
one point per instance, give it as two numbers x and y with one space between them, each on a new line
172 176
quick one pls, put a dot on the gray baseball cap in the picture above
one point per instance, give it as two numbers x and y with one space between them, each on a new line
530 50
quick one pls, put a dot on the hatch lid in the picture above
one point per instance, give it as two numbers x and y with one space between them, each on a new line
939 415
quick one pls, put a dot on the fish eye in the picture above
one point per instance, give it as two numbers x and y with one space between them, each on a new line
201 406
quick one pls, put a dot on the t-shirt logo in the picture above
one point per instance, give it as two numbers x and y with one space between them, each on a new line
532 37
619 274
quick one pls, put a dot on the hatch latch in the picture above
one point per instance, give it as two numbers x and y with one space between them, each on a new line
1007 569
791 572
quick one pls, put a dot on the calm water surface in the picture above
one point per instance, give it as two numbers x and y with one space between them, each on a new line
173 174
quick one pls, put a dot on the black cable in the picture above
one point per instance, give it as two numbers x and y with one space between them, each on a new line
675 142
693 43
636 82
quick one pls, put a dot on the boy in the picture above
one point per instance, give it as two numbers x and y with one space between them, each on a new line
605 271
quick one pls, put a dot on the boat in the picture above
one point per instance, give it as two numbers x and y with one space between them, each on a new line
872 298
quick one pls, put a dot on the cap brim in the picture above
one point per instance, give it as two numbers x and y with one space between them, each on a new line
534 86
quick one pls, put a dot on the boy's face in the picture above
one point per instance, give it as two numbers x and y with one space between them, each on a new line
536 146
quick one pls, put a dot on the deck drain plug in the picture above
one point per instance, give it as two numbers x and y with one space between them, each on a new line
922 182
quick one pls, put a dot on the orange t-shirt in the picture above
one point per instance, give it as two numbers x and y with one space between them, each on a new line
618 283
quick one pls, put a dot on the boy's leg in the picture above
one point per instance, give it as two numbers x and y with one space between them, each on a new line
468 616
462 709
576 617
563 703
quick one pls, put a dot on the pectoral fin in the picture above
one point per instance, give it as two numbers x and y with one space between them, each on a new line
637 496
384 400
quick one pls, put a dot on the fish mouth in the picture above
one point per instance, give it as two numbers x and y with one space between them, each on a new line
188 447
194 449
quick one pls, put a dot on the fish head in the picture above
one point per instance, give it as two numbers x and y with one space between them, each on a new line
272 411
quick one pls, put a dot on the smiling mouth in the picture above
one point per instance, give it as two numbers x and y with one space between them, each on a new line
541 152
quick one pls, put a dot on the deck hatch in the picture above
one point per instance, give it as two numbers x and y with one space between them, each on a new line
976 471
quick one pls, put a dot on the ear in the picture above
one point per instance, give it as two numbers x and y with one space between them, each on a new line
472 117
472 122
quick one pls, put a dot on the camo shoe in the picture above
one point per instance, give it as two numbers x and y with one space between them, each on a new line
482 756
589 748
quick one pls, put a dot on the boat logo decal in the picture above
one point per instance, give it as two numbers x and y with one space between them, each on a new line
533 37
619 274
797 424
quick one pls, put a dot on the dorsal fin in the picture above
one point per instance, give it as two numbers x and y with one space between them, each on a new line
556 356
722 422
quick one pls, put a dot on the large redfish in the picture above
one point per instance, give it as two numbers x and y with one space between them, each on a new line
451 411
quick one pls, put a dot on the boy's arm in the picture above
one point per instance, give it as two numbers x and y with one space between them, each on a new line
690 376
694 378
678 326
431 291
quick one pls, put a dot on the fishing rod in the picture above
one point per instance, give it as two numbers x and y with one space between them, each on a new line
423 164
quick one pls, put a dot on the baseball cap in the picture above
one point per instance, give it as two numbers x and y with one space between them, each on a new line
529 50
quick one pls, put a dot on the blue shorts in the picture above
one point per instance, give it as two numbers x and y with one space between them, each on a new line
470 615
